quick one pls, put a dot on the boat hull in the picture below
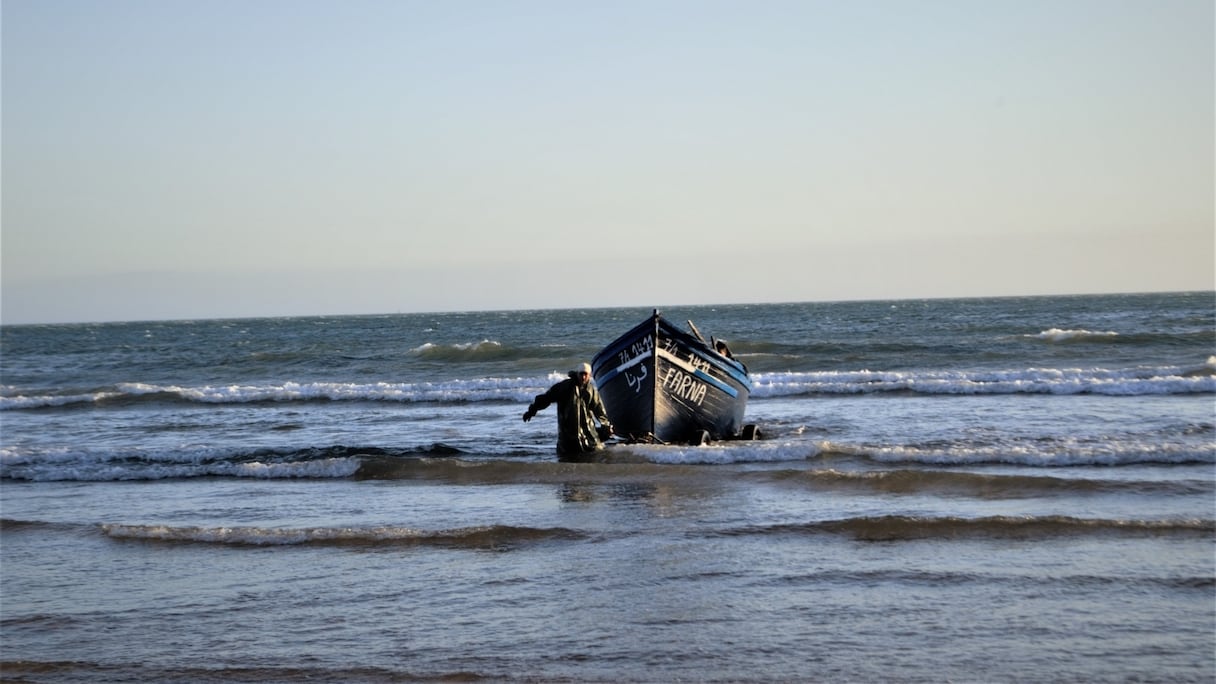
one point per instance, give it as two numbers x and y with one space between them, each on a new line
659 383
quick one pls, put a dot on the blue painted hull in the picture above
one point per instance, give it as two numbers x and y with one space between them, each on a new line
660 383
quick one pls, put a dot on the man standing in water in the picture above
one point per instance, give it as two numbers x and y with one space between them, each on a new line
578 403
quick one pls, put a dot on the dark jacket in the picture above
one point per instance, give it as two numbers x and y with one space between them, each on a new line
577 409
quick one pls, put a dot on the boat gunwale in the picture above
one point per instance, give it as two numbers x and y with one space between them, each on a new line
650 328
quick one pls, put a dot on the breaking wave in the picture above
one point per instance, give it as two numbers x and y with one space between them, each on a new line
911 528
1138 381
1043 453
1058 335
485 389
505 537
485 350
487 537
651 463
102 465
976 485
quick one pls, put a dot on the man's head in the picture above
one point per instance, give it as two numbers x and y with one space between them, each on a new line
582 373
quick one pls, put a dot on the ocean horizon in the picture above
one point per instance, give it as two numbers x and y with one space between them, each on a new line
594 307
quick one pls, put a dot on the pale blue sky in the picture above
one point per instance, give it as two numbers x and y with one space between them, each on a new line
173 159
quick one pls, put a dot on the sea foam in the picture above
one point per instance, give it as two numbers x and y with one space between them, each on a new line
1148 380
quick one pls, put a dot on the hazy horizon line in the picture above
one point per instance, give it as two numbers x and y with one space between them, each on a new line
660 307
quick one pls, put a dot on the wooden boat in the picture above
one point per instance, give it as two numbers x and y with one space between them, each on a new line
662 384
